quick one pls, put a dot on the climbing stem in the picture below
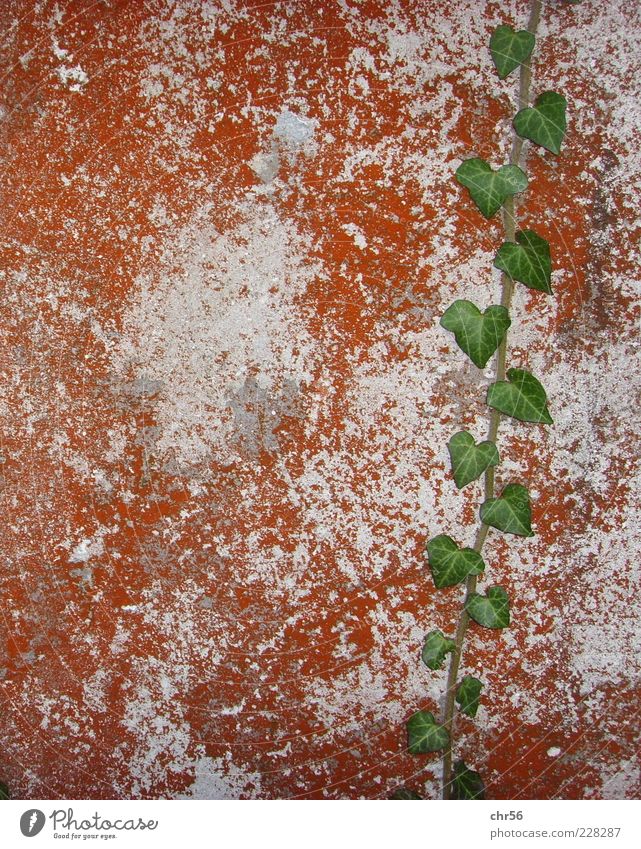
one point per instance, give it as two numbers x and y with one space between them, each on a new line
507 289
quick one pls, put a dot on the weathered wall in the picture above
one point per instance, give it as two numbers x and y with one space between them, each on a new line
228 234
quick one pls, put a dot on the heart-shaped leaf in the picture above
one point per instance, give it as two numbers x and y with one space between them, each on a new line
470 460
468 695
450 564
529 261
489 189
466 783
510 49
491 610
477 333
520 396
544 123
405 793
510 512
424 735
437 645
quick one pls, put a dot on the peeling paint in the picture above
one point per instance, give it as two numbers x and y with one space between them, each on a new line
229 234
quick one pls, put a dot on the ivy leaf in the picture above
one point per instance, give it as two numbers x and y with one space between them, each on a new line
510 512
523 397
545 122
491 610
489 189
436 647
4 792
424 735
510 49
404 793
470 460
467 784
529 261
450 564
468 695
477 334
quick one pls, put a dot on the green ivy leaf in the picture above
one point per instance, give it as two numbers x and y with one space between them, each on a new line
424 735
467 784
491 610
404 793
477 334
510 49
523 397
489 189
529 261
468 695
437 645
510 512
545 122
4 791
450 564
470 460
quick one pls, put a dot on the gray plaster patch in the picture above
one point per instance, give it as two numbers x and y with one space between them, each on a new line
293 130
216 329
292 134
258 414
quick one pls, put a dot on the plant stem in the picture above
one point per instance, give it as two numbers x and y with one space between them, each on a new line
507 289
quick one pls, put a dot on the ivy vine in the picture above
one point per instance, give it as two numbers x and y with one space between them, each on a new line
524 257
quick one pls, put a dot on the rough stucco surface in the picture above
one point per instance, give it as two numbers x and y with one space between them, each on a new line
228 234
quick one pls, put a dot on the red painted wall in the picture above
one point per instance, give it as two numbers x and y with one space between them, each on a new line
228 234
